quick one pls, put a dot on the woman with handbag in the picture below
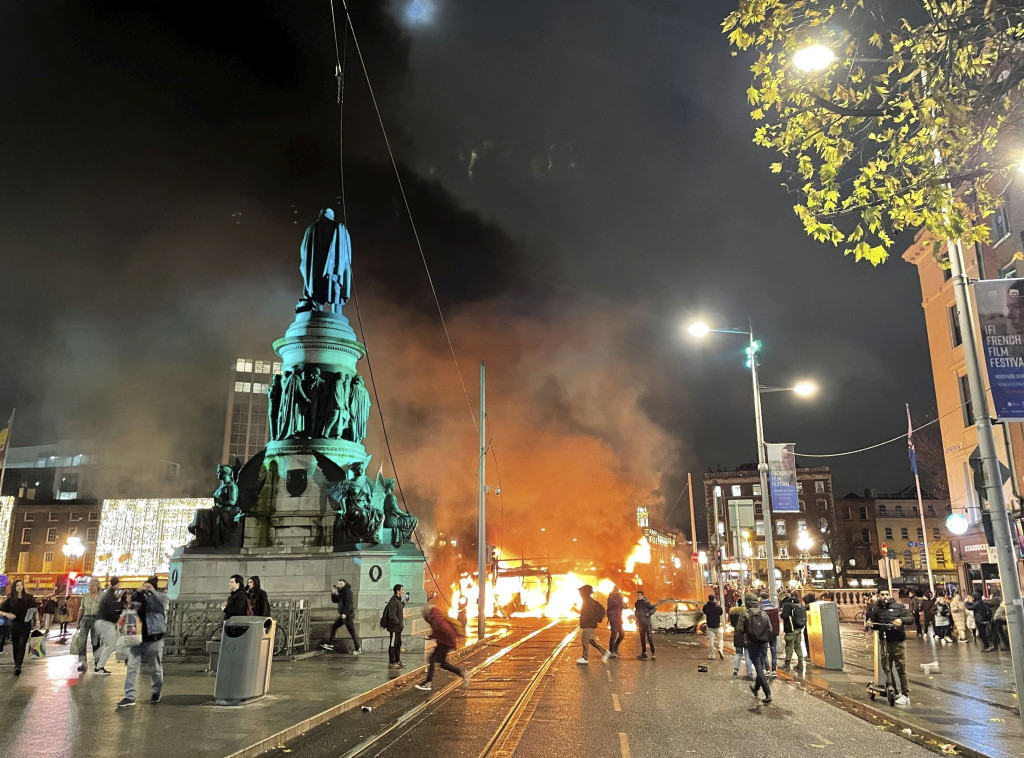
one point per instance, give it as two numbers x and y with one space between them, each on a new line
16 608
87 616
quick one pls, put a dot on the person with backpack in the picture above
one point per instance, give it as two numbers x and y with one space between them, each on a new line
591 615
757 629
893 618
773 643
643 609
616 604
943 620
443 632
713 617
794 621
982 617
152 609
393 619
739 642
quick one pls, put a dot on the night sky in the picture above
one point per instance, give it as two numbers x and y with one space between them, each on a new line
582 177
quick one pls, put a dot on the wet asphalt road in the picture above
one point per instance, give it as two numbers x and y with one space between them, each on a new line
625 708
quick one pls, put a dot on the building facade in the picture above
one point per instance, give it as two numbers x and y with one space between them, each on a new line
997 259
805 543
245 425
38 533
858 540
898 521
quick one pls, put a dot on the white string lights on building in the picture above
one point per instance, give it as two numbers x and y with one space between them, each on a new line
137 536
6 513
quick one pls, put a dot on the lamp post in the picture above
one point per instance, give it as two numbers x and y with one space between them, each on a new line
701 329
72 549
804 543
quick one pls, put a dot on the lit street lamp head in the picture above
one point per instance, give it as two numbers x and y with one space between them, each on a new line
805 389
699 329
813 58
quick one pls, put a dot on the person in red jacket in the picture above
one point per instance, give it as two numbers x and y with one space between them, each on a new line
443 634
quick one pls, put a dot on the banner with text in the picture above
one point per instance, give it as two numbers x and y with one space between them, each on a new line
782 477
1001 317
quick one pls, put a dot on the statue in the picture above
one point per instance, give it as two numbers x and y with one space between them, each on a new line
313 387
219 526
294 407
274 406
402 524
359 409
337 407
326 264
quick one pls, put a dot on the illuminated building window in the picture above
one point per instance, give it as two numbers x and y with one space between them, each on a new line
780 527
737 490
243 365
757 490
819 487
94 516
51 536
54 516
47 562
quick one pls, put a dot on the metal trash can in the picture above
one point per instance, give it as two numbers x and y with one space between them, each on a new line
246 651
826 644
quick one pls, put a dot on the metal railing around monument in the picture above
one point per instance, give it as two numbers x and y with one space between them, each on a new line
193 623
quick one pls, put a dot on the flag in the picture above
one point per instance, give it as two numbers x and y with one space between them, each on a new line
911 452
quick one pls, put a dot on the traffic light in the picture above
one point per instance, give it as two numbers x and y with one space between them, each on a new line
753 352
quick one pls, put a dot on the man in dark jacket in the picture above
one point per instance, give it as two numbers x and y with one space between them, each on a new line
889 618
643 609
616 604
591 614
794 621
713 616
915 609
237 603
107 616
982 617
445 639
773 644
756 620
342 596
394 621
152 609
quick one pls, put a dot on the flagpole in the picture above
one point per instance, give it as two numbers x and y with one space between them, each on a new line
912 452
7 446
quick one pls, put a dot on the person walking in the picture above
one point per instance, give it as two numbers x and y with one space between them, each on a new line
105 626
445 639
237 603
256 598
894 617
20 609
773 643
393 620
49 611
591 614
757 627
63 617
341 596
713 617
151 605
737 615
959 611
643 610
88 612
794 622
928 613
982 617
914 604
616 604
943 620
1000 637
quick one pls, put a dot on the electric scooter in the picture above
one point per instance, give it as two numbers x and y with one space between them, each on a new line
890 686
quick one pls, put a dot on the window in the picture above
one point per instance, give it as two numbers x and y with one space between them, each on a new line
848 514
803 506
883 509
277 367
920 533
819 487
865 536
90 534
935 533
784 550
799 486
915 510
758 509
801 526
30 517
863 514
737 490
1009 271
931 510
923 557
899 510
965 400
1000 224
243 365
780 527
888 532
94 516
762 552
47 562
757 490
51 536
947 273
908 558
954 326
823 525
262 367
75 516
26 537
23 562
54 516
69 483
759 528
243 387
904 533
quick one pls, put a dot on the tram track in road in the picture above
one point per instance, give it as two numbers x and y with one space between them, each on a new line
487 719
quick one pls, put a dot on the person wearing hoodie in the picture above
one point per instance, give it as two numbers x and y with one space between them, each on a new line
757 628
443 634
643 609
151 605
739 642
713 616
341 595
591 614
616 604
982 617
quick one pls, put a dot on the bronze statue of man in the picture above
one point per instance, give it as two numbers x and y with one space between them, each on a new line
274 406
359 409
402 524
337 407
326 262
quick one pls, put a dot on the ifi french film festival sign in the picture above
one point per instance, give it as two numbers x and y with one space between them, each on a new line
1001 314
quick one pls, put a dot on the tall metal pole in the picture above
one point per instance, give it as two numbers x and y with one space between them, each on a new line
1001 532
718 549
481 527
920 509
3 463
762 469
699 582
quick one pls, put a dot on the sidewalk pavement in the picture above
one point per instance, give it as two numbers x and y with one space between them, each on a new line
52 711
969 701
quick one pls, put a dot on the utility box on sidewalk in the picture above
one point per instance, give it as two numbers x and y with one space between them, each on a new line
246 651
823 635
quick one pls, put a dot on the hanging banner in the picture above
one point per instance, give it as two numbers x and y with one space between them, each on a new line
782 477
1001 316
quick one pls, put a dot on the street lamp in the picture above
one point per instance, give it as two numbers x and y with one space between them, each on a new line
701 329
813 58
804 543
72 549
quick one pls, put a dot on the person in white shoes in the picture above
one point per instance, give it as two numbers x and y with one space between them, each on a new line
943 620
591 614
443 633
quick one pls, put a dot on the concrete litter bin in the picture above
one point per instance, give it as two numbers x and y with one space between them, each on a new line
246 652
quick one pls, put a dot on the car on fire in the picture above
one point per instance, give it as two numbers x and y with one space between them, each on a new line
677 615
